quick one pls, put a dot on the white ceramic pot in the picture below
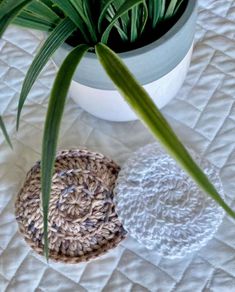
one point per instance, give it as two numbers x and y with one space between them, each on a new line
161 67
110 105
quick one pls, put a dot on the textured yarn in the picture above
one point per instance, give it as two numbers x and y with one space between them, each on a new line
161 207
82 220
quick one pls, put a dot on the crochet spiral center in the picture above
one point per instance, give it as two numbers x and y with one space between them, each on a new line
82 219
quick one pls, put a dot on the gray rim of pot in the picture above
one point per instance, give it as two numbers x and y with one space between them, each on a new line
158 61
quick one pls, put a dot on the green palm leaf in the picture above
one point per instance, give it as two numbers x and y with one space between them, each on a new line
7 6
139 17
71 12
103 13
128 5
31 21
125 20
106 7
52 125
180 3
4 131
171 8
156 11
82 7
142 104
62 31
43 11
134 25
8 11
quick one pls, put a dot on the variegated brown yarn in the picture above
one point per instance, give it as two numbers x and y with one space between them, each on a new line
83 223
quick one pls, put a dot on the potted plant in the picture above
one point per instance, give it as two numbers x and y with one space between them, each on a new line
160 71
98 29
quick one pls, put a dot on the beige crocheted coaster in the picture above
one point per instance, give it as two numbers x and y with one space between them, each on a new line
83 223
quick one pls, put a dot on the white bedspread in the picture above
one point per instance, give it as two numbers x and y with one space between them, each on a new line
203 114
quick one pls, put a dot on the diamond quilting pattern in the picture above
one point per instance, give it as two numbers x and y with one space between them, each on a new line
203 116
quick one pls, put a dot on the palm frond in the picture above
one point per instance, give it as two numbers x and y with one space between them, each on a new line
4 131
7 6
65 28
43 11
71 12
142 104
91 21
52 126
127 6
9 11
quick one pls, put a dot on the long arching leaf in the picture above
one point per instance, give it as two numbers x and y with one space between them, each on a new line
180 2
28 20
171 8
142 104
7 6
82 8
144 17
42 10
72 13
62 31
4 131
128 5
8 14
52 126
139 17
125 19
103 15
156 11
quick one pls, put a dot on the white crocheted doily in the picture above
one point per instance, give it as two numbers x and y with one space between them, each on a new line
161 207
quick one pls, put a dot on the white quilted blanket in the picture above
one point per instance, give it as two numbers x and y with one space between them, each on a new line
203 114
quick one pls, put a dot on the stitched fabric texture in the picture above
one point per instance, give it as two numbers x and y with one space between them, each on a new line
202 114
